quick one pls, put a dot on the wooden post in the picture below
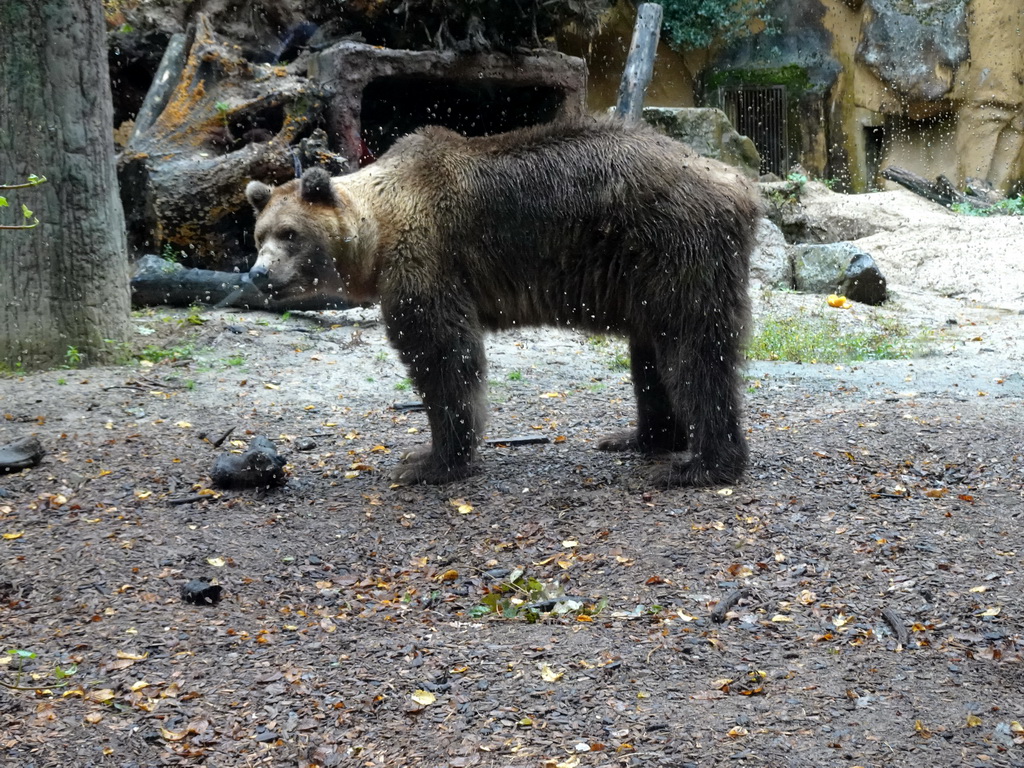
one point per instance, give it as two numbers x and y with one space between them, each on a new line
640 62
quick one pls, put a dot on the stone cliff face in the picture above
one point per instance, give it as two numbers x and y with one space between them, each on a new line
914 46
934 86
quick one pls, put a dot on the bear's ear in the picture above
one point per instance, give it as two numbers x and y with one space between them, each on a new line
316 186
258 194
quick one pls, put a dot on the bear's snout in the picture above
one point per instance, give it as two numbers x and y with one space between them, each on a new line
260 277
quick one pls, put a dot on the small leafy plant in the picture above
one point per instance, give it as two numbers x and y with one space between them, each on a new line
30 219
1011 206
60 674
520 597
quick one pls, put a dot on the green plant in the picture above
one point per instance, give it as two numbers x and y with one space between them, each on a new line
1011 206
32 181
515 375
403 385
154 354
73 357
822 339
61 674
234 360
62 382
619 362
692 24
222 109
169 253
194 316
519 597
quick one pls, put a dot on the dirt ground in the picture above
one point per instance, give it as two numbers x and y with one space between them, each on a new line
883 500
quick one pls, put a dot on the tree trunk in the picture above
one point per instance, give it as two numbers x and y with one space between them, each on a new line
64 293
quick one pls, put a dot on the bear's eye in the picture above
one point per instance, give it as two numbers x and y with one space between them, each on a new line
288 234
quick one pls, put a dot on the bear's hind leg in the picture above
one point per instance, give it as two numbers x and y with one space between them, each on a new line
701 373
657 429
447 365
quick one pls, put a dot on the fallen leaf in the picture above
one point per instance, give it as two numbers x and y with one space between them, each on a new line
549 675
423 698
16 535
132 656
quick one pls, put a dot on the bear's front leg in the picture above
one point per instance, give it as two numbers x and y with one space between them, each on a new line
442 347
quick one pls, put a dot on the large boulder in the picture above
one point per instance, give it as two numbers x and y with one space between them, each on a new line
709 133
770 265
915 46
841 268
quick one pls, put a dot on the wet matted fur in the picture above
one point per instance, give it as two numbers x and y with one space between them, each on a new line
596 225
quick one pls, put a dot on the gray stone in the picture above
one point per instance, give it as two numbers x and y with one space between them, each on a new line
770 266
841 268
709 133
915 46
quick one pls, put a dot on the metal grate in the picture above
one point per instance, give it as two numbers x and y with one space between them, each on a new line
759 112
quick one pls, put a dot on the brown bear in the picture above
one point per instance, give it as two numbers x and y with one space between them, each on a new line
594 224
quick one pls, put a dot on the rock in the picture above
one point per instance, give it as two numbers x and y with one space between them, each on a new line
709 133
864 281
838 268
770 265
915 46
201 592
812 213
21 454
258 467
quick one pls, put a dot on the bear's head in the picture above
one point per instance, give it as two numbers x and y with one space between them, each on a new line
306 236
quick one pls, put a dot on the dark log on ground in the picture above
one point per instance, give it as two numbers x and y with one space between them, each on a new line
640 61
941 191
226 121
157 281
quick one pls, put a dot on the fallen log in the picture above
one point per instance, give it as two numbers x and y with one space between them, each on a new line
158 281
941 191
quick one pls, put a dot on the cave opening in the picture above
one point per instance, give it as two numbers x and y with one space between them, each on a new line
392 107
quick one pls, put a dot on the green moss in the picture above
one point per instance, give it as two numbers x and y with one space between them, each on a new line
793 76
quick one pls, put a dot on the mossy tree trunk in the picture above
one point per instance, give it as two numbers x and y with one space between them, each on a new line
64 292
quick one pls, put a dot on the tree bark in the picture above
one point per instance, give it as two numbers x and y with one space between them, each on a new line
63 284
639 62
